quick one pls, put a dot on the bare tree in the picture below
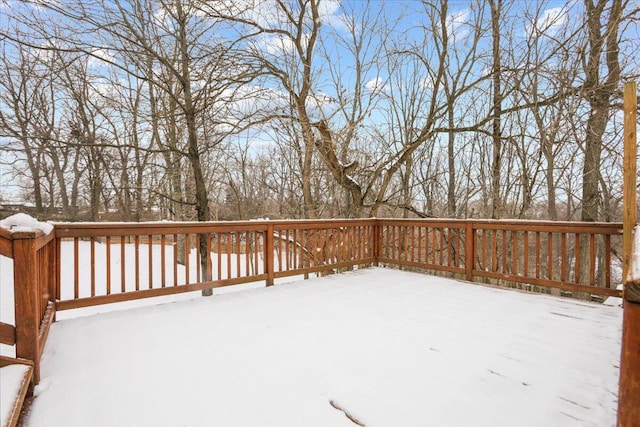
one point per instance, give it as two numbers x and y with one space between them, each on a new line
295 46
497 109
602 51
496 112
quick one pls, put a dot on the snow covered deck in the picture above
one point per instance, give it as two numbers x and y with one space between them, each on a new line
389 348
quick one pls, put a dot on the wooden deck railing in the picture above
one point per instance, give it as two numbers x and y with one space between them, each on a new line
629 387
131 261
571 256
303 247
35 279
84 264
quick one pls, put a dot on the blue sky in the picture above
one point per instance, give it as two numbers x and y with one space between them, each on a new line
379 83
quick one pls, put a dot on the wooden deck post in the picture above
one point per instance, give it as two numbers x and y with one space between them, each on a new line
269 259
469 250
25 283
377 238
629 385
629 171
54 273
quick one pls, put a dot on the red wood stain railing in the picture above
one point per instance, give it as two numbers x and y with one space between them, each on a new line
140 260
84 264
170 258
303 247
35 275
571 256
629 386
542 254
437 245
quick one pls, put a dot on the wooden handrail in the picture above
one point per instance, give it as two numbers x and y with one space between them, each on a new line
7 334
538 253
34 277
163 254
447 249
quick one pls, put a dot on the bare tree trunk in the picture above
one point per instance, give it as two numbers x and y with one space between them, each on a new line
599 96
451 186
339 171
496 204
309 205
193 149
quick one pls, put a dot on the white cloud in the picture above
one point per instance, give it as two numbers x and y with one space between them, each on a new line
162 17
270 14
256 100
103 89
555 17
265 13
456 24
551 21
39 6
47 51
330 14
321 105
328 7
427 83
250 100
278 45
375 85
100 57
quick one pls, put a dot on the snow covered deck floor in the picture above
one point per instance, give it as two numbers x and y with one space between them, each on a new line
389 348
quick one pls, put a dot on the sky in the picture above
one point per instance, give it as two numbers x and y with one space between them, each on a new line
378 82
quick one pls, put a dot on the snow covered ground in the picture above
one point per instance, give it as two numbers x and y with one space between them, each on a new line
389 348
12 377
